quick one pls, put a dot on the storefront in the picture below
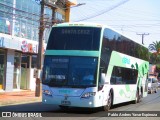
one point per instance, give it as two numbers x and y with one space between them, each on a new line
18 59
19 42
28 64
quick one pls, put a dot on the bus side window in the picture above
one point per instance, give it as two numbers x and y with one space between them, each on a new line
113 80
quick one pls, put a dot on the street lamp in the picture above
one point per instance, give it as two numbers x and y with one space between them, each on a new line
79 4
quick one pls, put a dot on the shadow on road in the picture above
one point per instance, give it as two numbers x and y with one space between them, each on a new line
56 111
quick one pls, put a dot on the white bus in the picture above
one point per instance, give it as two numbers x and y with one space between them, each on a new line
117 67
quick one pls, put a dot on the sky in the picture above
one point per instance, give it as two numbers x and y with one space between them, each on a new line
130 17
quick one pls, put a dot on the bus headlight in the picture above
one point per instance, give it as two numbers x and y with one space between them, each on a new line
89 94
47 92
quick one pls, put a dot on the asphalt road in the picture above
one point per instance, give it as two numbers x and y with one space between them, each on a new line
150 104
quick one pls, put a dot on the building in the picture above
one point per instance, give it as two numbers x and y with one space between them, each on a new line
19 28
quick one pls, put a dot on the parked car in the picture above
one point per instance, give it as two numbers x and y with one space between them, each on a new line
152 85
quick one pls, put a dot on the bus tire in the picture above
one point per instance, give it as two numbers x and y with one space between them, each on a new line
109 103
156 90
141 92
137 99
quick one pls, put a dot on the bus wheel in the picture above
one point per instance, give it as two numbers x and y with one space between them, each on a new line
137 98
156 90
109 103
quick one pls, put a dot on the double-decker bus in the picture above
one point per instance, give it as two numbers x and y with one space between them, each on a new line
91 65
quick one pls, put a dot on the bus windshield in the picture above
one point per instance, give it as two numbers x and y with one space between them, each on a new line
74 38
69 71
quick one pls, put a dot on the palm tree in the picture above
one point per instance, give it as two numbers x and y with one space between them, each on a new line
155 46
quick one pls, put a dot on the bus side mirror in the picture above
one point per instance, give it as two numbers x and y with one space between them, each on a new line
102 69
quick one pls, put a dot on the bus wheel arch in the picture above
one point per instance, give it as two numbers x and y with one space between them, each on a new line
156 90
141 92
137 97
109 101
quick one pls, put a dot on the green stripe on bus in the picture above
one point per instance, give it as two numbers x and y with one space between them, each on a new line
73 53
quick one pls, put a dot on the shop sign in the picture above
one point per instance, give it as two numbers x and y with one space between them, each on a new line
1 41
10 43
29 47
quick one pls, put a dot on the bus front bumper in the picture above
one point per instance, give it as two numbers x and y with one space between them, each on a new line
71 101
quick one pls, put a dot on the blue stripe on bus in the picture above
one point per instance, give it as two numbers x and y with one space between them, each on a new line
73 53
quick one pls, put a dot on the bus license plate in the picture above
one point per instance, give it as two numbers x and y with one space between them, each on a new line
65 102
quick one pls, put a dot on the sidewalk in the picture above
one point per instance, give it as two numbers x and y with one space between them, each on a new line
18 97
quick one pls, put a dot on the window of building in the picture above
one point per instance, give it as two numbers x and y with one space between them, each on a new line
23 29
2 68
5 25
29 31
17 28
34 61
2 23
25 60
27 17
59 17
5 16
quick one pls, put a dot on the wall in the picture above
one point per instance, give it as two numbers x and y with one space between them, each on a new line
9 70
32 84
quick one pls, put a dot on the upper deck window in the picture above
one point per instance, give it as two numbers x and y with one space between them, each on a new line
74 38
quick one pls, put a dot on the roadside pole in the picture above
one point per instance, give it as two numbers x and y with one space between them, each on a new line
40 50
40 46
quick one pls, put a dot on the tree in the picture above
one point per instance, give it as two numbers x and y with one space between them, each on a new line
155 55
155 46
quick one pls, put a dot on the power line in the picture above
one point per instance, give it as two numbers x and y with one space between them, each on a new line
103 11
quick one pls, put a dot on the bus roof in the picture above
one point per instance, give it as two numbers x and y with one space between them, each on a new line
78 24
89 24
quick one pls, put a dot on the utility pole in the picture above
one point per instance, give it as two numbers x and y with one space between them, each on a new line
143 34
40 46
41 30
40 50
